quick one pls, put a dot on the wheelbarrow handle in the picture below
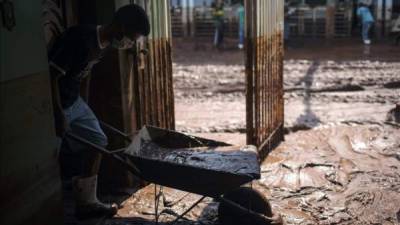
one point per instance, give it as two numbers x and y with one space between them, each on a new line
107 126
114 154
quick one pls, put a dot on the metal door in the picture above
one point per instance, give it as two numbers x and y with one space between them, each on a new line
264 73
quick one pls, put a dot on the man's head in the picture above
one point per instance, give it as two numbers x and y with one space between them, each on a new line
129 22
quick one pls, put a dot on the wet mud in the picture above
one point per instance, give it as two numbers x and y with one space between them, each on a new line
347 174
159 148
227 159
316 92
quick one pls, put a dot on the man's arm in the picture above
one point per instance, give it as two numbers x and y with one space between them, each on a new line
61 57
59 117
85 88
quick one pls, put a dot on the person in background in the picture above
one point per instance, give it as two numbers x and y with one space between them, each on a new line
71 60
240 13
288 11
396 30
286 25
367 20
218 14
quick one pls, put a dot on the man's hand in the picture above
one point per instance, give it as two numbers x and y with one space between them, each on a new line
61 124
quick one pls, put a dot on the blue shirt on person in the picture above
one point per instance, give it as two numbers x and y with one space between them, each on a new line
365 14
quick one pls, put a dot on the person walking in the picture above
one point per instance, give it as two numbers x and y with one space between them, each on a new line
367 20
218 14
240 13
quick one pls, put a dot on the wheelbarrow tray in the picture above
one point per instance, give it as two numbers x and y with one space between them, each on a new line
191 164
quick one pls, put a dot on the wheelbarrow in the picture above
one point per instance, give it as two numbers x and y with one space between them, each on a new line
195 165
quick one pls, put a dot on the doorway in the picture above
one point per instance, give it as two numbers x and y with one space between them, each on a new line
209 77
228 93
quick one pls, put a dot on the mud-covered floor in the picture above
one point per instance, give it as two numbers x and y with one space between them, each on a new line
348 86
346 174
340 161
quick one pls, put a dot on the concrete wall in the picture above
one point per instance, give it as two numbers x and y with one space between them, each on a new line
30 191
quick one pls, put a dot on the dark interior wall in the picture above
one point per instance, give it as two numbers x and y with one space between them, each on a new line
30 190
86 12
95 12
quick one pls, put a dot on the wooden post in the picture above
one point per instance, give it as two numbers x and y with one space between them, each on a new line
330 20
378 13
388 16
185 18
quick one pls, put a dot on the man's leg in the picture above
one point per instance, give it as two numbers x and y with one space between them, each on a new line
369 29
85 125
89 128
286 31
241 36
221 33
216 36
365 31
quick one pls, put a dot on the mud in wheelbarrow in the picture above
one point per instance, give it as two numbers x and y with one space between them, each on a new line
192 164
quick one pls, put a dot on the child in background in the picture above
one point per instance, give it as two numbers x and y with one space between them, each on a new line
367 20
240 12
218 14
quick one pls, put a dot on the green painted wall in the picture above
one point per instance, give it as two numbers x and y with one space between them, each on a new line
30 189
22 49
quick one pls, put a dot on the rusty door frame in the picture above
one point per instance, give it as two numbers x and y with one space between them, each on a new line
152 72
264 73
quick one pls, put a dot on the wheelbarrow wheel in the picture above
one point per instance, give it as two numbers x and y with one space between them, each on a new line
247 198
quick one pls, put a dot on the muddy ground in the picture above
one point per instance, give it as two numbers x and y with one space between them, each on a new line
340 161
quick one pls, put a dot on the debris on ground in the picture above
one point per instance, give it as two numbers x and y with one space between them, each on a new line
347 174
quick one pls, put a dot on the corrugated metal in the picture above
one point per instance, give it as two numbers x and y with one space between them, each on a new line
152 72
264 73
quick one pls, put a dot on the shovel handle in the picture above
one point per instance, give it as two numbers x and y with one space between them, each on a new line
99 149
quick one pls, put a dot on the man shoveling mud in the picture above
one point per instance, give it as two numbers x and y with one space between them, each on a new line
71 59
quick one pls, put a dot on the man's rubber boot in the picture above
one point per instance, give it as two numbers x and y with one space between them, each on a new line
87 205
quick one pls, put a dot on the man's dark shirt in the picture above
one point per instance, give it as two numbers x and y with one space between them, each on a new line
75 52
